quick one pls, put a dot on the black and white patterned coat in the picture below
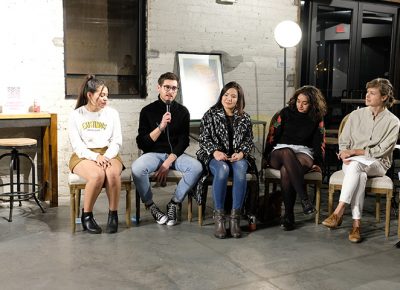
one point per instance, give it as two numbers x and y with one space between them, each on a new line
214 136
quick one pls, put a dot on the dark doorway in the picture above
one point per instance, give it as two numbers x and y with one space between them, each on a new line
348 44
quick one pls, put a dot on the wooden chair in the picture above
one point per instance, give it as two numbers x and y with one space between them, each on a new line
378 185
77 183
273 176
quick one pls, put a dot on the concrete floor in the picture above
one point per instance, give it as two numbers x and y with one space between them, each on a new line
38 252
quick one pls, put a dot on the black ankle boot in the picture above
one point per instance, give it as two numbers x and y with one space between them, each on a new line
89 223
308 207
112 223
287 222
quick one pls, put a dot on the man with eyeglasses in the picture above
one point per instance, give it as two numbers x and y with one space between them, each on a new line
163 136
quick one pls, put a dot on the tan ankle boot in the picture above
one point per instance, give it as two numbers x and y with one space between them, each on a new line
333 221
355 235
236 232
219 220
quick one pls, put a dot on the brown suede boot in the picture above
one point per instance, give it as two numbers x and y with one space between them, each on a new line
236 232
355 235
219 220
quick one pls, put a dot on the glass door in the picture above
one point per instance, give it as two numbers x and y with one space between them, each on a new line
333 28
375 45
348 44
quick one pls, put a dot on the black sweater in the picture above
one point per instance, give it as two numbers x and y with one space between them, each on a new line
295 128
178 129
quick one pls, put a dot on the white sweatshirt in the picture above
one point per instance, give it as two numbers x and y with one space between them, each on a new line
95 130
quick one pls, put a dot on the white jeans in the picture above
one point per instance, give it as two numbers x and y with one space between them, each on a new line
354 181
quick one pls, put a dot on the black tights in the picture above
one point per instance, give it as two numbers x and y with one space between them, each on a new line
293 167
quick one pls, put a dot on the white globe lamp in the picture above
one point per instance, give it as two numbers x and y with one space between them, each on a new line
287 34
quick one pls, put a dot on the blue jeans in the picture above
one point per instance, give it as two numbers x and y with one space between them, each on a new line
220 170
148 163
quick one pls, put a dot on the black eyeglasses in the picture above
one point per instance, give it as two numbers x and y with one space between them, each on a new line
169 88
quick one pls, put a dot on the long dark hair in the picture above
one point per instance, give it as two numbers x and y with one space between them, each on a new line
91 84
240 102
318 107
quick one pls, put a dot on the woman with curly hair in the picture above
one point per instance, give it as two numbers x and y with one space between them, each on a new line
295 145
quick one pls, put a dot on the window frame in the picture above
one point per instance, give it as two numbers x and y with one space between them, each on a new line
140 58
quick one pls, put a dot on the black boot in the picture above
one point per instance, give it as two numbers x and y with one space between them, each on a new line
112 223
287 222
219 220
89 223
236 232
308 207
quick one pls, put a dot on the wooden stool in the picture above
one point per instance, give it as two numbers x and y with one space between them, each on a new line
15 144
77 183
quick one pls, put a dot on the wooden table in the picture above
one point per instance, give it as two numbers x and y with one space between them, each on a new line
48 124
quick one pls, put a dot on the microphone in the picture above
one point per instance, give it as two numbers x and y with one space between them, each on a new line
168 103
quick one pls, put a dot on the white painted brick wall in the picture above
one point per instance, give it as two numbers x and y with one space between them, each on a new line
32 56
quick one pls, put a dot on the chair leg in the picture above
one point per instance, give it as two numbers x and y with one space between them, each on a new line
190 208
378 207
128 205
201 209
388 206
317 202
398 221
200 213
77 202
72 208
331 190
137 200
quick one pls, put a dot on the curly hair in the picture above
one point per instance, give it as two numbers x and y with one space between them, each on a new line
385 89
318 107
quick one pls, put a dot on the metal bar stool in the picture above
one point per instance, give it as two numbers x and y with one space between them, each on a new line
20 194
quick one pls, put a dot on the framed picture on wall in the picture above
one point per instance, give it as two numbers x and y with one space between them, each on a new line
201 81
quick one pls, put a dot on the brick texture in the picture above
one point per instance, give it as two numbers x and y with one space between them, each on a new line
33 56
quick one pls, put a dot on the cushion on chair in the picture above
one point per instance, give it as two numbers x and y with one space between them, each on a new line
384 182
275 173
74 179
251 177
272 173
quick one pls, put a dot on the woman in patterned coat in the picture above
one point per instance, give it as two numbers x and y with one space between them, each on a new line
226 140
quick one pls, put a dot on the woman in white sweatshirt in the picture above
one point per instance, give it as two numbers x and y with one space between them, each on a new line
95 136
